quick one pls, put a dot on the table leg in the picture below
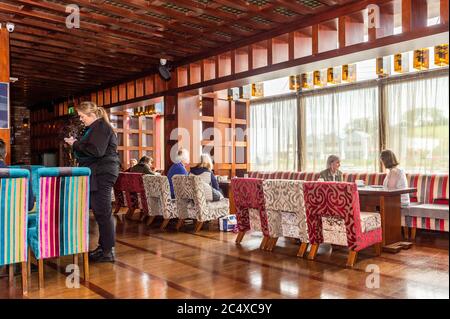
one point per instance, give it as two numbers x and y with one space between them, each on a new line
391 221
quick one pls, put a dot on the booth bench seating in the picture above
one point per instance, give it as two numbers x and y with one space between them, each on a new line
429 205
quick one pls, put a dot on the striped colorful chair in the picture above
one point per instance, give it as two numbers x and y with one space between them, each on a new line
338 203
429 205
13 221
62 224
159 202
250 209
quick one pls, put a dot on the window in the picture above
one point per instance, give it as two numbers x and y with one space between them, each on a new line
273 134
343 123
417 116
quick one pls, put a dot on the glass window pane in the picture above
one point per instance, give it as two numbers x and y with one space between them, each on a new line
133 140
134 123
147 123
147 140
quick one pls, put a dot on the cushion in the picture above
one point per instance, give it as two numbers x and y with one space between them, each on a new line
427 210
369 222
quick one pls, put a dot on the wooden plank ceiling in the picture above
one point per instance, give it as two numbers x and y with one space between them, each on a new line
118 39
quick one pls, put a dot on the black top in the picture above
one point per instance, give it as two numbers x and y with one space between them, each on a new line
97 149
141 168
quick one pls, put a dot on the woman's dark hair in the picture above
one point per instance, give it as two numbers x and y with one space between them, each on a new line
389 159
146 159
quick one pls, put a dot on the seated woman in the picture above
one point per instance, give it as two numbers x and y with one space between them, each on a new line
396 177
204 170
144 166
332 173
133 162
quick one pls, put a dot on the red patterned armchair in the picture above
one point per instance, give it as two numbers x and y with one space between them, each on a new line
346 225
132 185
250 209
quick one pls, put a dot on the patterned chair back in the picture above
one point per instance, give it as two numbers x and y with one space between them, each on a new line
13 215
63 212
159 201
133 186
248 194
336 200
285 208
189 195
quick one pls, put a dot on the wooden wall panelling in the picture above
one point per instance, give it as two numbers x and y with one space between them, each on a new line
114 94
260 55
149 84
122 92
195 72
444 11
107 96
225 64
140 87
94 97
4 77
280 48
131 90
315 39
66 108
170 123
209 69
100 98
414 15
241 59
328 35
160 84
351 29
182 76
303 42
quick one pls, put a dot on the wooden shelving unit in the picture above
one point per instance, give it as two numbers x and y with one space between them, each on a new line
221 119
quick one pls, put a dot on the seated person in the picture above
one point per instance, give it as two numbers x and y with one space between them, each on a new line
133 162
204 170
332 173
396 177
178 167
31 198
144 166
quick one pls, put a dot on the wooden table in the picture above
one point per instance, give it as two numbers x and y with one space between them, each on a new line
387 202
225 186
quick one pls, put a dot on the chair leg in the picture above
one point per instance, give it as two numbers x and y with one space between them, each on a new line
413 233
130 213
313 251
377 248
302 249
352 255
75 259
239 237
86 267
25 278
150 220
179 224
198 226
11 274
272 244
41 273
164 224
264 243
406 232
29 262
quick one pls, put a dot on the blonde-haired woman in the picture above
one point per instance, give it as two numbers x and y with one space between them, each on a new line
97 149
204 170
396 176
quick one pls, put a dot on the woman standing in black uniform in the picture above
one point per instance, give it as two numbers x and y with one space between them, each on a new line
97 149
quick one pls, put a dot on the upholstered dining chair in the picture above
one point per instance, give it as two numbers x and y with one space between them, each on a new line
285 208
334 216
62 224
191 201
13 221
132 185
159 202
250 208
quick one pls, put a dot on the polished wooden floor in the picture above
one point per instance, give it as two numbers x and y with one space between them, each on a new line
155 264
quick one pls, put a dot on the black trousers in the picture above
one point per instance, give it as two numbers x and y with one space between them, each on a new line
100 201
